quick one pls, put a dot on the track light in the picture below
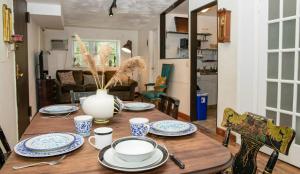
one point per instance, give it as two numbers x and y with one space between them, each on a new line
111 12
113 5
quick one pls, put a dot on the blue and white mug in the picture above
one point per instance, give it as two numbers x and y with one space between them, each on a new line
83 124
139 126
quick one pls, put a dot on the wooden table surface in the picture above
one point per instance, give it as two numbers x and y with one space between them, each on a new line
200 153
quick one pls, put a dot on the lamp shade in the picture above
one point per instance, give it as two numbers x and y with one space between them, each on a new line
127 48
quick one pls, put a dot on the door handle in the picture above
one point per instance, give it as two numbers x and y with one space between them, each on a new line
19 73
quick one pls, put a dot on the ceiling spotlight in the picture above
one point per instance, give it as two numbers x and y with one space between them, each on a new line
204 10
113 5
111 12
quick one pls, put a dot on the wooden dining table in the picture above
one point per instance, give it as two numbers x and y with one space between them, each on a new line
198 152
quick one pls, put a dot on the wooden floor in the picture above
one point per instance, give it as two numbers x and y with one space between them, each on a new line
210 124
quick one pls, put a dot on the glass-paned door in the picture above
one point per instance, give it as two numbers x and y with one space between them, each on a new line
282 91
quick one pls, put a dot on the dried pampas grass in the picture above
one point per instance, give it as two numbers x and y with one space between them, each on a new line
89 61
104 54
127 67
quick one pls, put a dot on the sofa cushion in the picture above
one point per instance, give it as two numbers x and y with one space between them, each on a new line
88 80
66 78
90 87
109 75
75 88
78 76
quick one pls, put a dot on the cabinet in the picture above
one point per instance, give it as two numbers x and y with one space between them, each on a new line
46 92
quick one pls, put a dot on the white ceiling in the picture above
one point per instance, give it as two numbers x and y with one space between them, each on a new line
130 14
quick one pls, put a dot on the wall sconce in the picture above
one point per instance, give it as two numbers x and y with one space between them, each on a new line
224 17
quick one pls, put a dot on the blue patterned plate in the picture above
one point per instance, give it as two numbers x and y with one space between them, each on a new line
171 126
189 131
20 149
49 142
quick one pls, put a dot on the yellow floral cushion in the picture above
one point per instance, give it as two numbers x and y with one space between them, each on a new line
160 83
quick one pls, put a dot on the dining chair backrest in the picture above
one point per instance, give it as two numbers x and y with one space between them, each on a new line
256 131
166 71
75 96
169 105
6 146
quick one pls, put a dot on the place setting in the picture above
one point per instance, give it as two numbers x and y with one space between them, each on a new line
138 106
135 153
59 110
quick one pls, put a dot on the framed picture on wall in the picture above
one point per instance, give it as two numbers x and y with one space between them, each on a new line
7 23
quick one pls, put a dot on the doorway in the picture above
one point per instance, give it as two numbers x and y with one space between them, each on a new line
204 67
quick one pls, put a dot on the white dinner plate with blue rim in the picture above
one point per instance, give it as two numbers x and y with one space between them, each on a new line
192 129
21 150
107 159
138 106
171 126
49 142
74 108
58 108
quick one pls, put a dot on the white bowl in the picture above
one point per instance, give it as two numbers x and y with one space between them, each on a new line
134 149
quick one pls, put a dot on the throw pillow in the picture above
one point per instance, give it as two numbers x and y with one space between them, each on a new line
66 78
89 80
160 83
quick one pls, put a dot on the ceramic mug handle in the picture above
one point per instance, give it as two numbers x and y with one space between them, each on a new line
148 128
90 138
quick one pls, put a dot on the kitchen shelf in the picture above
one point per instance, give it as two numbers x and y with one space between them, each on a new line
208 49
201 34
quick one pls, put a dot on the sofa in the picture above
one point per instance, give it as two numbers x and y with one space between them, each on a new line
124 92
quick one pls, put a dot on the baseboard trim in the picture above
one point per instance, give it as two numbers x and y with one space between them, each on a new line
222 133
184 116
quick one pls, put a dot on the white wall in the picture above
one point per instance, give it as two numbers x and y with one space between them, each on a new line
63 59
8 106
34 36
143 50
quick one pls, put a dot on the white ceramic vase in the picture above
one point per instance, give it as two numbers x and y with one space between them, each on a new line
102 106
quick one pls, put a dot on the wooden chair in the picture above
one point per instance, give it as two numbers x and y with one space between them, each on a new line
75 96
153 95
4 156
256 131
169 105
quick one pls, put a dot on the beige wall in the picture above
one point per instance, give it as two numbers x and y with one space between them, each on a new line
33 50
8 106
179 84
143 51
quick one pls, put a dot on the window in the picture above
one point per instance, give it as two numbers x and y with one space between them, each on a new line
93 47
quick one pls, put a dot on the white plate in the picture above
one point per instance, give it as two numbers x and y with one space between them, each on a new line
58 108
138 106
20 149
111 158
112 164
48 142
74 108
171 126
